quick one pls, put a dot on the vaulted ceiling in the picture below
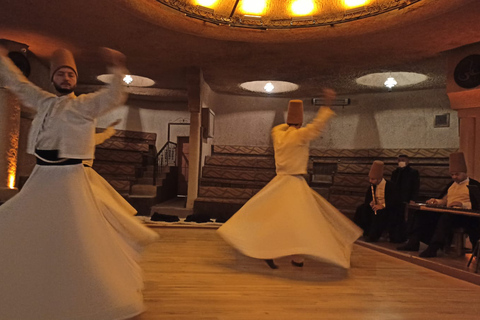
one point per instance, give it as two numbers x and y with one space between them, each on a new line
160 43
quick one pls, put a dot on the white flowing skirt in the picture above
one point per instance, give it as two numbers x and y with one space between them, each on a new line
288 218
60 257
120 214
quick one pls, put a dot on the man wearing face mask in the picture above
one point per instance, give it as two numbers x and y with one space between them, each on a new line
407 183
406 179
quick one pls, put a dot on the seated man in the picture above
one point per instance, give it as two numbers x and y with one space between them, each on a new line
382 208
455 195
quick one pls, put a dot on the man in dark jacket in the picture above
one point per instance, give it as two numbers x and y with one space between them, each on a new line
382 209
406 180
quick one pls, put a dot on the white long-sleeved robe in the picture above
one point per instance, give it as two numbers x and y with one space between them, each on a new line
287 217
59 256
116 210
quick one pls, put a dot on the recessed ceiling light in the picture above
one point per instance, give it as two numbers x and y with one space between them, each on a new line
381 79
130 80
269 86
390 83
302 7
355 3
255 7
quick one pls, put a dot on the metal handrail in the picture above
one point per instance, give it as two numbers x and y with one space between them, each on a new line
170 156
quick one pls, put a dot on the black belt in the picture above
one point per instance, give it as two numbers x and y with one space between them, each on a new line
50 158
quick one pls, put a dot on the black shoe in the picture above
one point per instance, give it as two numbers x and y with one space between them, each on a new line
409 246
430 252
297 264
271 264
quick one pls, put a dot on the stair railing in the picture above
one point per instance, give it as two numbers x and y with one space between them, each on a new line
167 156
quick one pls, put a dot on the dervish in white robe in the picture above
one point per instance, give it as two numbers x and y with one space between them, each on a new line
287 217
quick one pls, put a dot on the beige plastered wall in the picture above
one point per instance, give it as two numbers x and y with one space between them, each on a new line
376 120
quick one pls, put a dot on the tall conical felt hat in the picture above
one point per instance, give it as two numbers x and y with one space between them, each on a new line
295 112
457 162
62 58
376 171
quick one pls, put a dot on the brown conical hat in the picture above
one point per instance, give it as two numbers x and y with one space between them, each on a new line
62 58
295 112
457 162
376 171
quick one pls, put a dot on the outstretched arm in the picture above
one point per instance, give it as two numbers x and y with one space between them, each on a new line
13 79
314 128
107 133
104 100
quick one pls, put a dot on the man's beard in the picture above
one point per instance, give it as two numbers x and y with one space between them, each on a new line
62 90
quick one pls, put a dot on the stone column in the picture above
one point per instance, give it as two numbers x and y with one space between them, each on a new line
194 76
9 135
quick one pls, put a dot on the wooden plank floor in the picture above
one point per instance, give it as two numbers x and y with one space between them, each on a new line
447 262
190 273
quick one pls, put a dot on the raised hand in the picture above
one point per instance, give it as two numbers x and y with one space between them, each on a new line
114 123
113 57
329 95
3 51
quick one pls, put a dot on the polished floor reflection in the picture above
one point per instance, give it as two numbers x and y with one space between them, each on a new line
192 274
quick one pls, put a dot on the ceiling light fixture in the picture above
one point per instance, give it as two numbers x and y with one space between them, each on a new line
254 7
205 3
278 14
401 79
252 17
130 80
355 3
302 7
269 86
390 83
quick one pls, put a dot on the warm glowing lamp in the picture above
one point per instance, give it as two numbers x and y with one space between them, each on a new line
11 180
206 3
390 83
302 7
128 79
355 3
269 87
254 6
12 159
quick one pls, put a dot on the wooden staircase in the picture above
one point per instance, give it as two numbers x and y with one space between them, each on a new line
230 178
121 158
126 162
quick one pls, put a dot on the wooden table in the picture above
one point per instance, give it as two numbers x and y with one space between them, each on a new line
424 207
460 239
